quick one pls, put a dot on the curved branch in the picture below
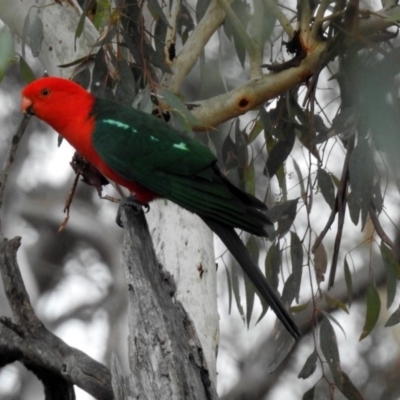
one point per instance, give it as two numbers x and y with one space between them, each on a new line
193 47
27 340
257 91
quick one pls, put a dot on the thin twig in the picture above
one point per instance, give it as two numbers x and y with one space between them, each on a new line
68 203
9 160
319 19
340 193
281 17
378 228
342 212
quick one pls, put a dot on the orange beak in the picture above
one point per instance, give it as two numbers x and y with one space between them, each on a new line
26 105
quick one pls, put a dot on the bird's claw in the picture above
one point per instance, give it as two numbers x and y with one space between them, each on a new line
130 201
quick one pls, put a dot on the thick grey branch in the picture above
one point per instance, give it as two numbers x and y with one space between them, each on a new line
27 340
166 359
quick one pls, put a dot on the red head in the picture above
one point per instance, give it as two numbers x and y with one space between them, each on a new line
61 103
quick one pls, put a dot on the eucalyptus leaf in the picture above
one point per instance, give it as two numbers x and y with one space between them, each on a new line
373 310
394 319
361 169
296 255
327 188
328 343
392 272
36 35
26 71
309 366
348 280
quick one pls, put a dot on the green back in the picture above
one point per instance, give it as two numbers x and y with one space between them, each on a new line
142 148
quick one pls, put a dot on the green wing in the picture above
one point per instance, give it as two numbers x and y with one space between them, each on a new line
144 149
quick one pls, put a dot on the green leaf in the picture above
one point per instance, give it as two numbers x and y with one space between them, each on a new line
373 309
347 387
160 31
329 347
266 120
83 77
26 71
377 199
335 303
77 61
250 296
25 33
273 262
280 152
36 35
156 11
346 121
299 308
283 345
6 51
249 178
240 8
361 169
284 214
255 131
253 250
281 176
262 22
393 18
229 282
394 319
296 255
201 8
334 320
235 287
300 177
354 208
241 151
126 89
289 290
309 366
178 106
81 24
348 280
392 272
320 262
335 180
327 188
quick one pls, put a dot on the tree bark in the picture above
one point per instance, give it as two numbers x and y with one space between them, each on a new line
27 340
165 355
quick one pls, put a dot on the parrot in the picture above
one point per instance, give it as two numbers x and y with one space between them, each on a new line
152 159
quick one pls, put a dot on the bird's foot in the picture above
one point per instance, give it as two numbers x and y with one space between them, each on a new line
130 201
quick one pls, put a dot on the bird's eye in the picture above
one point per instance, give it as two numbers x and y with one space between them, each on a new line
45 92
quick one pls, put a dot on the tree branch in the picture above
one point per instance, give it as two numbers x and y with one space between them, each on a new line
257 91
9 160
56 364
193 47
165 357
